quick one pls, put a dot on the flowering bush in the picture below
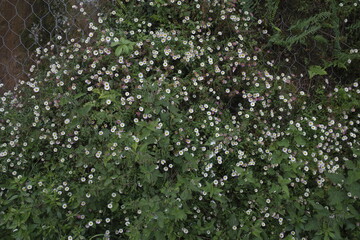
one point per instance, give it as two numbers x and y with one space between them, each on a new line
163 124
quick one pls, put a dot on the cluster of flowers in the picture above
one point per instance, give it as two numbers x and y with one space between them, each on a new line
189 122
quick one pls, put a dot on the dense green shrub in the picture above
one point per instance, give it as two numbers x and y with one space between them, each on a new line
163 124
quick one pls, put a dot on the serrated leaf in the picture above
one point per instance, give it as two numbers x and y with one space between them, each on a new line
64 101
350 165
179 214
143 147
353 176
188 157
335 178
336 196
283 183
186 194
317 206
312 224
278 156
316 70
321 39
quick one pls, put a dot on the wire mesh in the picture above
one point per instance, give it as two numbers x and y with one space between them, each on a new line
316 48
26 25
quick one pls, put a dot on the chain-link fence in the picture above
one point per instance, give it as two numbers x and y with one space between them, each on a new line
301 34
29 24
298 36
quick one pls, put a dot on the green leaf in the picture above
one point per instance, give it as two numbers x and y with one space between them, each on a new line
286 190
276 28
126 49
79 95
233 220
161 220
350 164
256 232
353 176
127 42
134 146
321 39
335 177
107 159
113 44
284 143
190 163
179 214
85 109
300 140
317 206
278 157
186 194
316 70
118 51
283 183
12 198
336 196
107 182
159 235
353 210
354 189
143 147
64 100
356 151
115 207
